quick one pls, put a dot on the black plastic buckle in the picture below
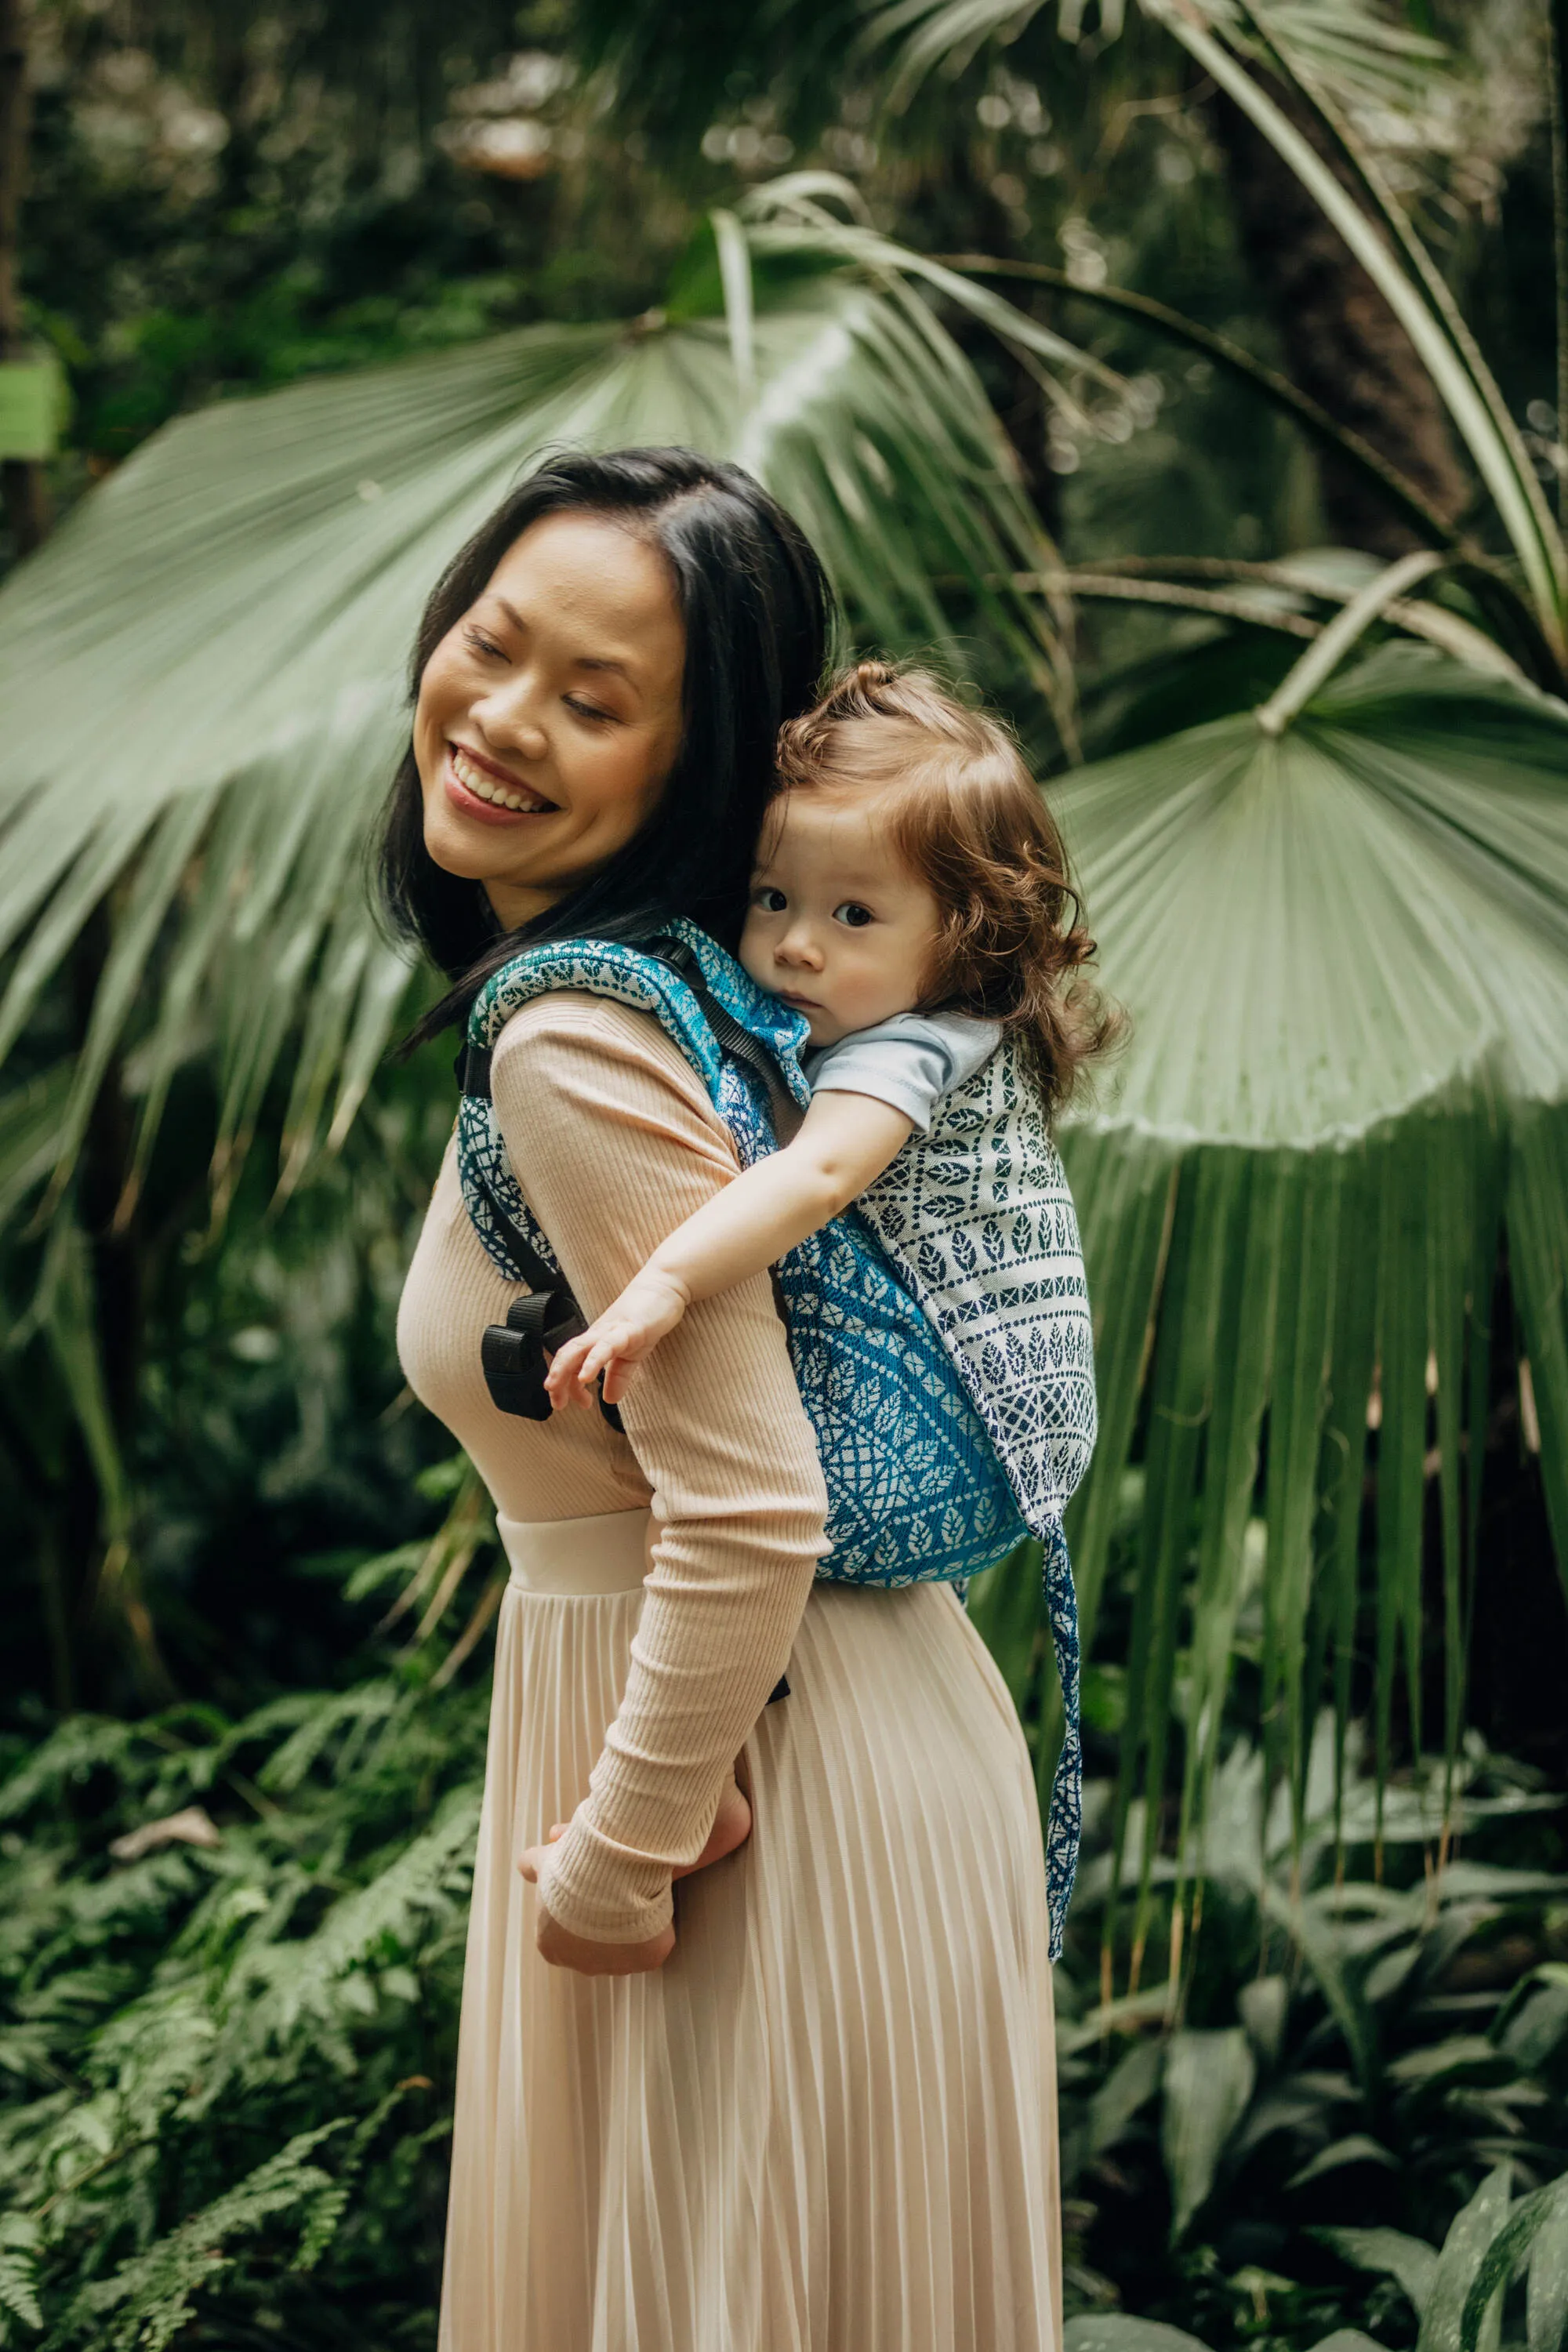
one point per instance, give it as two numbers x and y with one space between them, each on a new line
516 1354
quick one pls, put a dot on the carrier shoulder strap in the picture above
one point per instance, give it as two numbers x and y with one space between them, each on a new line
515 1354
729 1035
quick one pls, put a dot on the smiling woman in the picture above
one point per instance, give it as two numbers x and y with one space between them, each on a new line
621 640
550 716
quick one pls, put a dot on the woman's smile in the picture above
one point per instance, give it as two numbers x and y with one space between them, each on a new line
478 788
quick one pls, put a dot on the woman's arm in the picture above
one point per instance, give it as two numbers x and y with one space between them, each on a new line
844 1143
614 1142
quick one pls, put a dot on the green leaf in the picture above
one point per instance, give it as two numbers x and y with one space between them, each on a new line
1265 2003
1411 2262
1546 2296
1482 2314
1358 2148
1536 543
1361 53
150 2294
1459 2263
1115 2331
1470 2057
21 2242
1358 1126
1132 2081
1208 2082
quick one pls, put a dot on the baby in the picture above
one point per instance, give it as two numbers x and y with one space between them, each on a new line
912 901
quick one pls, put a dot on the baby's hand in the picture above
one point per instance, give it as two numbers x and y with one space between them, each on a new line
620 1338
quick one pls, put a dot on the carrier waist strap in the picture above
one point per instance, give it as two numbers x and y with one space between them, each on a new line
611 1551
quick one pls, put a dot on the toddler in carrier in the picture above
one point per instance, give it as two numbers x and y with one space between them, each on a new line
912 903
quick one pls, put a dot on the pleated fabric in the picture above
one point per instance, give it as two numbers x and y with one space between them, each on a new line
827 2123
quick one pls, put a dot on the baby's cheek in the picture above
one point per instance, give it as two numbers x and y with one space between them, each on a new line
752 958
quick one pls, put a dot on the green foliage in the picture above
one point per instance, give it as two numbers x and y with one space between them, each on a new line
226 2066
1328 2066
178 2021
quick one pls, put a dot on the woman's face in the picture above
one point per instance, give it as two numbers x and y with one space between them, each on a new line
550 716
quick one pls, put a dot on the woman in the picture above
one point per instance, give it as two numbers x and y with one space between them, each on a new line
809 2104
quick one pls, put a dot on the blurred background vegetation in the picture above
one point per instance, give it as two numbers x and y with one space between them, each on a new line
1262 557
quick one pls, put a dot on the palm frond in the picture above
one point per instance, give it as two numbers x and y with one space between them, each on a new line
203 673
1344 947
1356 47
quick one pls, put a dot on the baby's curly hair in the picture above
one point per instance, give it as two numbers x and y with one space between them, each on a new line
970 821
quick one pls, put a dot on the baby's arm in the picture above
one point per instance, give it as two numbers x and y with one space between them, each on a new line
845 1142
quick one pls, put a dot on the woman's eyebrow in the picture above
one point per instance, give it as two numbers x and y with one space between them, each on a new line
579 661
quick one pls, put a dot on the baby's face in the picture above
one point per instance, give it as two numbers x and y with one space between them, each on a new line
837 927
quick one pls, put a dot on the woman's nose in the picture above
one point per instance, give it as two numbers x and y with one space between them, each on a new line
507 723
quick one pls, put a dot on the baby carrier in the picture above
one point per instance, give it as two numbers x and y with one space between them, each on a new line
939 1329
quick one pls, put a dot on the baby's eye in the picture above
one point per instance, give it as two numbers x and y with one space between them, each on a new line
770 901
854 915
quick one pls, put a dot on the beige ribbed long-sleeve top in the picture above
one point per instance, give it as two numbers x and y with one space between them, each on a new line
614 1142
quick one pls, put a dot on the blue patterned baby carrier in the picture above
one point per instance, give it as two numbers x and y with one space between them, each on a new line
939 1329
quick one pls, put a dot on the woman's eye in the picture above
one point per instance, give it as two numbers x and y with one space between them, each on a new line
481 644
853 915
770 901
587 710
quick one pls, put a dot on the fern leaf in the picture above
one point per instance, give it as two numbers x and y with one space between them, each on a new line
19 2243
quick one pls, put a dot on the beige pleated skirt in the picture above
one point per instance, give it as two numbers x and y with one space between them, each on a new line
827 2123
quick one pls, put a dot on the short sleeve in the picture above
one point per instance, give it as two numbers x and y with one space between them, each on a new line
909 1063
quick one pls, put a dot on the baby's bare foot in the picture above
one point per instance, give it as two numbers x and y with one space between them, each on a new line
732 1828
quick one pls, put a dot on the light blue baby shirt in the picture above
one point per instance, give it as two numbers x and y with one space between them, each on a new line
908 1062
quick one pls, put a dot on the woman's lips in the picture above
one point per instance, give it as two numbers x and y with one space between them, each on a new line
470 782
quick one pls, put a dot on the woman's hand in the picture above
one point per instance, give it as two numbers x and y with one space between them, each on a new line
626 1331
562 1950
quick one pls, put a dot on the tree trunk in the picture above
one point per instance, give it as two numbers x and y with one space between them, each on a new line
1342 343
23 480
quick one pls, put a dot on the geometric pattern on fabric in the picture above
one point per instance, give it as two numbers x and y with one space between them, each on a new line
979 1217
939 1331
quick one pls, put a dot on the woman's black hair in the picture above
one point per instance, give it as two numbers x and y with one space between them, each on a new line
757 611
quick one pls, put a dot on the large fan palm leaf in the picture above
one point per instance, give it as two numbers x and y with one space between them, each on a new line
204 675
1345 951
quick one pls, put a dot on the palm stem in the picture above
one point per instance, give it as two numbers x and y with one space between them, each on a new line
1102 587
1430 281
1134 580
1446 350
1401 492
1340 634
